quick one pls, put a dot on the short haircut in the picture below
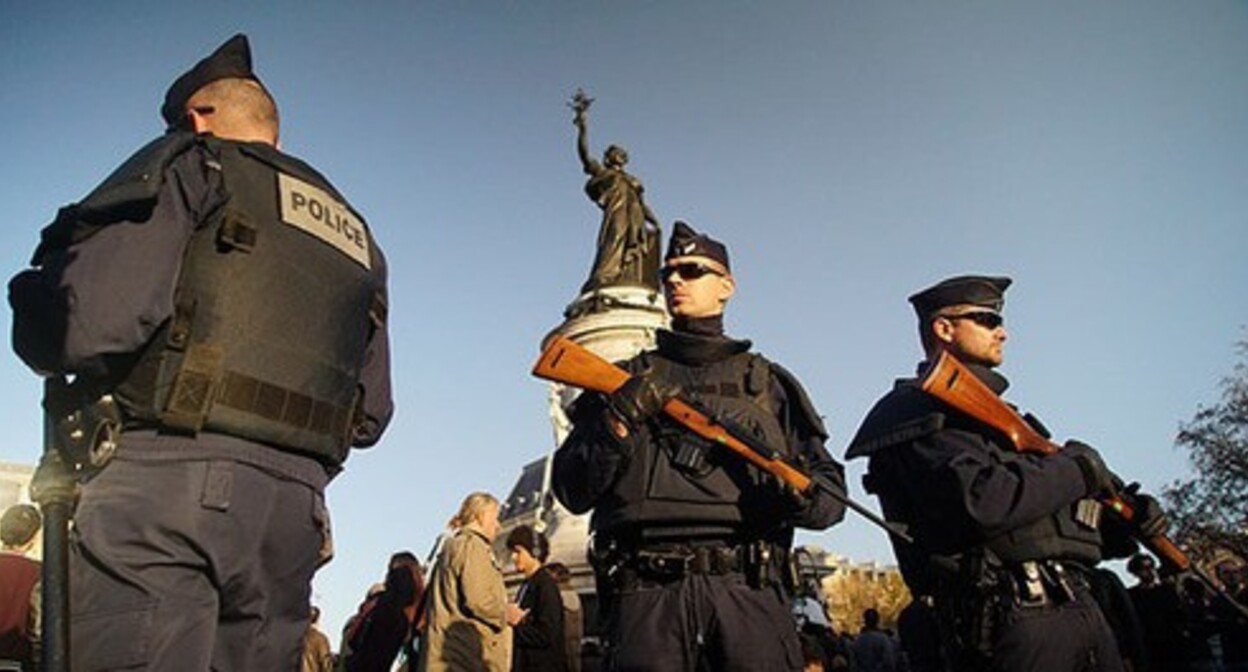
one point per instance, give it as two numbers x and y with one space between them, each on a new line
530 540
19 524
1138 561
245 100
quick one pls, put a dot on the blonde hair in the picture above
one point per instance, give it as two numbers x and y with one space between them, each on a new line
472 507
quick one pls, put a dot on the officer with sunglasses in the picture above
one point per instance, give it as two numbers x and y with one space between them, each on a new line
1004 542
691 542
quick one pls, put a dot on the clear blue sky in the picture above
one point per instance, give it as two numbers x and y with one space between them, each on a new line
850 153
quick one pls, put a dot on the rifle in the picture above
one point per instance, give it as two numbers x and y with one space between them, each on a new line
950 381
566 361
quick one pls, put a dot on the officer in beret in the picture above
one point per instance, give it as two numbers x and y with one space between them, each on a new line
691 542
1004 541
230 306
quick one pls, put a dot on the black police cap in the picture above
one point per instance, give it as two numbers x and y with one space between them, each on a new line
977 290
232 59
686 242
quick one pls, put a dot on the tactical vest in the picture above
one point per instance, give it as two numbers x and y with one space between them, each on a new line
1057 536
277 298
679 480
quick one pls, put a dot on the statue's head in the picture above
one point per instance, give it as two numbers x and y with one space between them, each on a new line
615 156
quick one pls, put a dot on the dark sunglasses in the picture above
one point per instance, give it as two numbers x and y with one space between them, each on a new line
691 270
984 318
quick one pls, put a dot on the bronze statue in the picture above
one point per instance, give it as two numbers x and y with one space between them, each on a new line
628 240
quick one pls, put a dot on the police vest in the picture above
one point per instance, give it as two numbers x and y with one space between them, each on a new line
679 480
907 415
1058 536
279 293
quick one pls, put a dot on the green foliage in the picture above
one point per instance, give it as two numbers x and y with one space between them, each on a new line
1210 511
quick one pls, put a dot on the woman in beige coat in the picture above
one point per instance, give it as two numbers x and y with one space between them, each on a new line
467 608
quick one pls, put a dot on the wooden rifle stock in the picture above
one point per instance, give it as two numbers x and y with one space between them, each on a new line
566 361
950 381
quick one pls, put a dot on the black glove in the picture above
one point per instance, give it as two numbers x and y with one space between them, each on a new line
1149 519
1096 476
641 398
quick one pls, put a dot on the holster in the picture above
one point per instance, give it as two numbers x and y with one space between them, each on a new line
84 424
969 606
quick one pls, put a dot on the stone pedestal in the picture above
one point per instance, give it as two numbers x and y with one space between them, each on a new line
615 323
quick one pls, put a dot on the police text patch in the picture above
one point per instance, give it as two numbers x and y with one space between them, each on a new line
320 214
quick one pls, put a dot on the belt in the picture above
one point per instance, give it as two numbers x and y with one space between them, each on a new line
677 562
1044 583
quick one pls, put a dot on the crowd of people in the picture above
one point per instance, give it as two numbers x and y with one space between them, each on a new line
1167 625
1182 624
462 619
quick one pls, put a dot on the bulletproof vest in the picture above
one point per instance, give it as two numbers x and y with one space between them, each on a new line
273 310
909 415
1059 535
679 480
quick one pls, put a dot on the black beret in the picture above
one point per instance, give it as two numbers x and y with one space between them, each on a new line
686 242
232 59
19 524
977 290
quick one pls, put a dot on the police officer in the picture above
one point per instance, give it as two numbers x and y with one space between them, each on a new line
231 307
1004 541
691 541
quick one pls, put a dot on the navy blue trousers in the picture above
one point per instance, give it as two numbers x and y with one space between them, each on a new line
192 565
702 622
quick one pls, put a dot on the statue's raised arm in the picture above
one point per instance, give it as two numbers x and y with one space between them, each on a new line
580 105
628 248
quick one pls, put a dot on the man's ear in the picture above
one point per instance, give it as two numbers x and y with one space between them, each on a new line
942 329
198 121
727 287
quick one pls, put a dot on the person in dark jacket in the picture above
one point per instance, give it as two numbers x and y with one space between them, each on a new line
537 615
1161 616
573 614
1004 542
221 311
388 625
873 649
691 542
